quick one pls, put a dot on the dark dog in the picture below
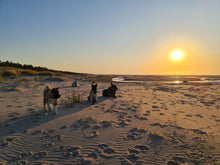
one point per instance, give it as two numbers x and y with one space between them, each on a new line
75 83
93 93
111 91
50 97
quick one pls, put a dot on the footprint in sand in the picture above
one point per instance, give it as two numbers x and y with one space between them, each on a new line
105 151
122 123
87 161
136 133
199 115
36 132
53 137
147 113
40 155
134 153
7 141
14 118
30 109
138 149
133 158
140 117
92 155
19 106
70 151
12 114
64 126
163 106
24 155
91 134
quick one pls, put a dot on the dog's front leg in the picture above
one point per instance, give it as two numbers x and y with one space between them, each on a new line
48 107
55 107
45 106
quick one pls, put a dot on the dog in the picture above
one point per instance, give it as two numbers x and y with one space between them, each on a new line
50 97
75 83
111 91
93 93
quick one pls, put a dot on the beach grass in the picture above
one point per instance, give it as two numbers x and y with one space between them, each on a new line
71 100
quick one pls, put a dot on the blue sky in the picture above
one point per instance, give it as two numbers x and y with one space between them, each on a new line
112 36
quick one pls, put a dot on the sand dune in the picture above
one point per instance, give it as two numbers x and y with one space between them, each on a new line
146 124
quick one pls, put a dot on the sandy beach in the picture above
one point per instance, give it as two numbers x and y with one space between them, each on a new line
148 123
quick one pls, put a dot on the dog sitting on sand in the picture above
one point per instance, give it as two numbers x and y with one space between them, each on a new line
111 91
75 83
50 97
93 93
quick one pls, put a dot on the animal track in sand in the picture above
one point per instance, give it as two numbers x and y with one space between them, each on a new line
91 134
24 155
199 115
140 117
30 109
12 114
133 157
52 136
36 132
7 141
105 151
138 149
69 151
65 126
136 133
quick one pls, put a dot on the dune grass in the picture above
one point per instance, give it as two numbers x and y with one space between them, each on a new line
46 73
9 73
1 78
29 72
71 100
16 72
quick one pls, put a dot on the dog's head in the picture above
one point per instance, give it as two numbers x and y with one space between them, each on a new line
113 87
55 93
94 87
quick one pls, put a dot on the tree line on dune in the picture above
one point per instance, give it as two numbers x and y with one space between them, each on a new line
25 66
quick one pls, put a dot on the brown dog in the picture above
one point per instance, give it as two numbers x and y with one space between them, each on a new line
111 91
50 97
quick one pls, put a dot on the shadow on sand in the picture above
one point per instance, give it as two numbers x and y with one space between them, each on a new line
17 124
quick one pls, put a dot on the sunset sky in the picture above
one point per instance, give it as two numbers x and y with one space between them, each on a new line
112 36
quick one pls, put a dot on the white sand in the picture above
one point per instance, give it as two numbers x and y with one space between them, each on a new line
146 124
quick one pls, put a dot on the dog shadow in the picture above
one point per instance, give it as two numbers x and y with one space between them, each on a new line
104 98
155 142
20 124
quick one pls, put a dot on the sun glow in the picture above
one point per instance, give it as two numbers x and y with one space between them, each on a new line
176 55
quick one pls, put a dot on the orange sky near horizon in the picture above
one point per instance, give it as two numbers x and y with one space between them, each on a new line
195 60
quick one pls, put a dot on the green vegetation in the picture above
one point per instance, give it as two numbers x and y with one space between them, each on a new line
73 99
156 134
88 119
1 78
9 73
34 70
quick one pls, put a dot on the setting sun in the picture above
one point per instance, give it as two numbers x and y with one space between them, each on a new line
177 55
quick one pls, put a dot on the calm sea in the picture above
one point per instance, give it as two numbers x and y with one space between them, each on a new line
168 79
